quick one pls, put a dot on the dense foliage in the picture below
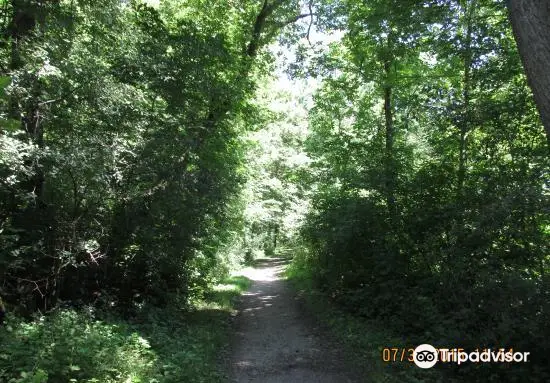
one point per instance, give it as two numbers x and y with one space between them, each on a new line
143 152
123 145
430 210
158 345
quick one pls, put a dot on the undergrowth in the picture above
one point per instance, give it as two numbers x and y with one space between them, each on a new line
168 345
365 339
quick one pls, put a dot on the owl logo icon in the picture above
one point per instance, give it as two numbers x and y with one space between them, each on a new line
425 356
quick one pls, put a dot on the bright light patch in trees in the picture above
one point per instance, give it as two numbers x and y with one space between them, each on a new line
152 3
428 58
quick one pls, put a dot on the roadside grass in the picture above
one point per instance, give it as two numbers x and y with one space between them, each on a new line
364 339
223 294
161 345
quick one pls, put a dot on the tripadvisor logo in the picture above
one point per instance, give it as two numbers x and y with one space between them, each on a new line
425 356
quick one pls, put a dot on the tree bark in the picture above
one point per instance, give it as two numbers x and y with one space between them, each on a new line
390 162
531 26
465 118
259 26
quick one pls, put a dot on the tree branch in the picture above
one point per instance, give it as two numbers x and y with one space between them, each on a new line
296 18
259 23
310 5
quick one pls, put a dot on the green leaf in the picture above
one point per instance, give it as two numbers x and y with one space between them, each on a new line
10 125
4 82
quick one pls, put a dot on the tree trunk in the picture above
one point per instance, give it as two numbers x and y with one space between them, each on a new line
389 160
531 25
465 118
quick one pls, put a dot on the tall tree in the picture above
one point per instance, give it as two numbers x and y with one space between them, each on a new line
530 22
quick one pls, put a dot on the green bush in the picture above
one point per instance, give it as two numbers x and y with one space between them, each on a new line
174 343
71 346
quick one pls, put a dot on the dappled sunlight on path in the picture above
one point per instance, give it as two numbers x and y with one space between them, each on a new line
274 341
267 270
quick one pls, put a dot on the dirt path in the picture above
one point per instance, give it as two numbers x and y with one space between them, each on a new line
276 341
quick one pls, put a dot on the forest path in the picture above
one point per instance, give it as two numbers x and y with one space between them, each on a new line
275 340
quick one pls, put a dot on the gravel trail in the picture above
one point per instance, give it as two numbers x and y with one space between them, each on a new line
277 341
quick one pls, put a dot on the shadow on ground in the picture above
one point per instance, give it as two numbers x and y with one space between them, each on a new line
274 341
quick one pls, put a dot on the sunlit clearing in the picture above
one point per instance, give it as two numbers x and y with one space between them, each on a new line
224 287
263 275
